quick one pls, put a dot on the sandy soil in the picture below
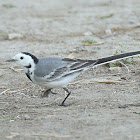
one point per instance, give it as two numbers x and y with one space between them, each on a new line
58 28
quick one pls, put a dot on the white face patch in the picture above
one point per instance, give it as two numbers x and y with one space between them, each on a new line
25 61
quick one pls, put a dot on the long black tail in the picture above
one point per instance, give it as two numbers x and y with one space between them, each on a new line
82 65
116 57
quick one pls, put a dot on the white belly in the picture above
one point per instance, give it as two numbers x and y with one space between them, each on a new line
61 82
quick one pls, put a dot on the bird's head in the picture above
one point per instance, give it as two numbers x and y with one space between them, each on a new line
24 59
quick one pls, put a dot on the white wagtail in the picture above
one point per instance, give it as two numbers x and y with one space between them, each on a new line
58 72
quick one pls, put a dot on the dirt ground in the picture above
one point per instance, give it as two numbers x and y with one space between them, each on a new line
105 104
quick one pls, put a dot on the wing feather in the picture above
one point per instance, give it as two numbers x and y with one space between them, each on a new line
74 65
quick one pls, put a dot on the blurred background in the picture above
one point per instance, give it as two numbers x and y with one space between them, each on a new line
46 26
84 29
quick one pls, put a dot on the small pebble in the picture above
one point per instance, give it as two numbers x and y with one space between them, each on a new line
12 36
26 117
87 33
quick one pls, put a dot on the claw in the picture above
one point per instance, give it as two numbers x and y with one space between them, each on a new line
47 92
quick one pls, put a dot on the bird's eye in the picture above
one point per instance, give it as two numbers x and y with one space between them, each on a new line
21 57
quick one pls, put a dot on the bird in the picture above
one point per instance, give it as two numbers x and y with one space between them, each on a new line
55 72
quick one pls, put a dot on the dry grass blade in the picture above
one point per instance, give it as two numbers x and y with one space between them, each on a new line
8 91
16 69
13 134
52 135
93 44
132 104
71 55
4 91
125 66
76 82
106 81
109 82
71 35
125 29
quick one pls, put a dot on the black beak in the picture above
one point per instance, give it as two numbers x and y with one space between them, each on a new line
11 60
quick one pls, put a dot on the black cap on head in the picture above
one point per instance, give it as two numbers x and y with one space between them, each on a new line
33 57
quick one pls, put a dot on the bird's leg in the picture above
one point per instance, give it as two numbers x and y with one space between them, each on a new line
47 92
52 92
66 89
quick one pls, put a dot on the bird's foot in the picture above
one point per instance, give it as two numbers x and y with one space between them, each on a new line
47 92
63 105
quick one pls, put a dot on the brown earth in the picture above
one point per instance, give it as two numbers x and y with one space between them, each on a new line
98 108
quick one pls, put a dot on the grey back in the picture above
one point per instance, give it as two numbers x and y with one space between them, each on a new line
47 65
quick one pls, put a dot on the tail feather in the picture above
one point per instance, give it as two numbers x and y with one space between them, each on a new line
82 65
116 57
